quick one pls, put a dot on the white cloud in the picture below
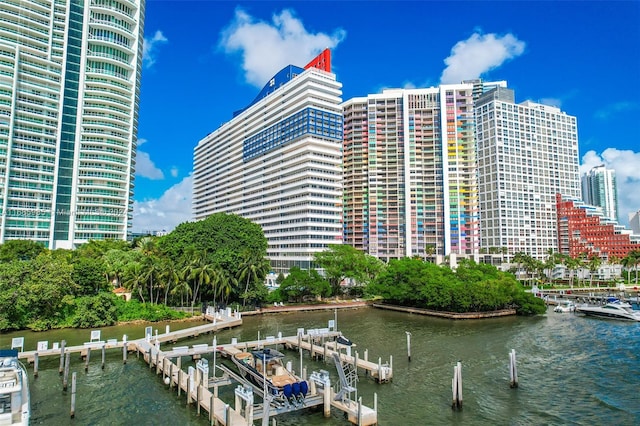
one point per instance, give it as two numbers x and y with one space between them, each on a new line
174 171
146 168
150 46
627 167
479 54
166 212
267 47
556 102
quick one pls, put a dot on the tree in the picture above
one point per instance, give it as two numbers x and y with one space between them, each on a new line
594 265
89 276
300 284
340 261
19 250
252 271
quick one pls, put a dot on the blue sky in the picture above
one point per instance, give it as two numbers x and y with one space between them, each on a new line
205 59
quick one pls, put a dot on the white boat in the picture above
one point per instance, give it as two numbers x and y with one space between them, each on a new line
565 306
263 367
613 310
14 390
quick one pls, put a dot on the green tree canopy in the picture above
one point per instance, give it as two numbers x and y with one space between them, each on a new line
19 250
226 238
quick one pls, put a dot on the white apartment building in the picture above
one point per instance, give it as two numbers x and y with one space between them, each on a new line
599 189
278 163
410 185
69 95
527 153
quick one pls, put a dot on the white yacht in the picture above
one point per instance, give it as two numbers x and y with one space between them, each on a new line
14 390
613 310
565 306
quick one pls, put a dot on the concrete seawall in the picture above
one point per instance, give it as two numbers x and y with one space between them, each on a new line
448 315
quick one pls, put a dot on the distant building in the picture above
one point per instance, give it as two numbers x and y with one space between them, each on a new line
599 189
410 185
584 229
527 152
69 98
634 222
278 163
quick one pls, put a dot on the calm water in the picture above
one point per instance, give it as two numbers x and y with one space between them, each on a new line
572 370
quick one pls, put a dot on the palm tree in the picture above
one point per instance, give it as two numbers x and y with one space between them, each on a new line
134 279
594 264
169 275
626 262
252 269
200 272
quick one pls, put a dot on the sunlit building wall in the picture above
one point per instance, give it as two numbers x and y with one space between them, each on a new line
69 96
278 163
410 184
527 153
599 189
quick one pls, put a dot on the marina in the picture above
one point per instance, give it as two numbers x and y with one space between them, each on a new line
286 392
549 348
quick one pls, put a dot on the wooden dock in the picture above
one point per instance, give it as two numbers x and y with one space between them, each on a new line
197 385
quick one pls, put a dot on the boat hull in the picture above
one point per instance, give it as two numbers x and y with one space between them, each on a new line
15 408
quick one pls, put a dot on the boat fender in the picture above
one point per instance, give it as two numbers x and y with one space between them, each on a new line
295 387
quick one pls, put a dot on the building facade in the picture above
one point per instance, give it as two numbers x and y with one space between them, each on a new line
410 184
527 153
69 96
634 222
585 230
278 163
599 189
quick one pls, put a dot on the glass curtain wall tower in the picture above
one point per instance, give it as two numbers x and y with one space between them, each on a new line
410 184
599 189
527 153
278 164
69 96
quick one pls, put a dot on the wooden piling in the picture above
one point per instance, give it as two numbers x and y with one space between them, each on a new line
179 381
456 387
513 369
104 356
211 414
170 375
408 346
62 344
124 353
198 397
73 395
65 378
35 364
86 359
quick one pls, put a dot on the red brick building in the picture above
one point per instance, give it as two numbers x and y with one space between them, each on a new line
583 229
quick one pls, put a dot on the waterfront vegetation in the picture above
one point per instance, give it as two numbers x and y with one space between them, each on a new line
222 261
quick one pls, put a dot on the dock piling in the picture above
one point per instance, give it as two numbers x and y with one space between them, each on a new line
408 346
35 364
73 395
65 377
62 345
456 387
513 370
86 359
104 356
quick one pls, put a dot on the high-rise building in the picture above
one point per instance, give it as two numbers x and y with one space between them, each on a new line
69 95
527 153
410 173
634 222
278 163
585 229
599 189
